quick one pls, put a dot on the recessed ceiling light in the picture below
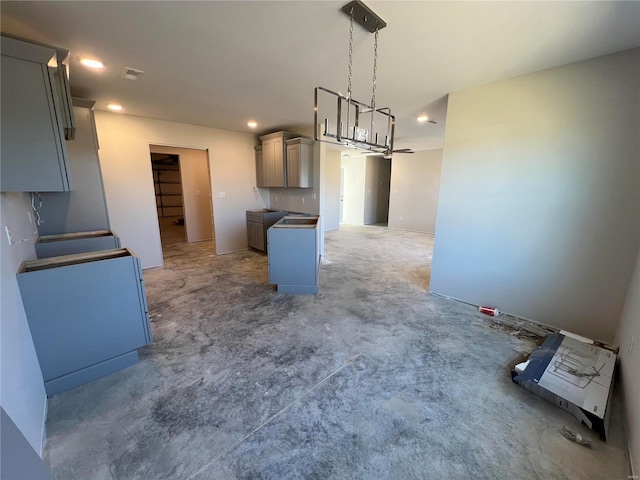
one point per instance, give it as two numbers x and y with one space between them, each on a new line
422 118
115 107
252 124
91 63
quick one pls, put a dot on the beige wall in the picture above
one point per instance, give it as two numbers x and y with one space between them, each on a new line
331 190
539 194
628 337
415 185
128 181
354 179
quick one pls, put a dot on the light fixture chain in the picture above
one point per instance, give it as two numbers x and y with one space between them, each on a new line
350 53
375 68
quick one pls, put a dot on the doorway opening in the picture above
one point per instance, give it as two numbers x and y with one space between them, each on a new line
183 194
169 203
365 182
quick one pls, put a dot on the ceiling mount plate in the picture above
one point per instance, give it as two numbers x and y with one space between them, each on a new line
364 16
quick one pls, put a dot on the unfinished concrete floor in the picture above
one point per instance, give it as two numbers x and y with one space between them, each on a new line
373 378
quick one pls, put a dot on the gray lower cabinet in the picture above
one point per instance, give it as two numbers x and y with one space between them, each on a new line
87 314
70 243
34 154
257 224
294 254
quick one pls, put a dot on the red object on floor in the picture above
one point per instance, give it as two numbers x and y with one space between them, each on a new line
489 311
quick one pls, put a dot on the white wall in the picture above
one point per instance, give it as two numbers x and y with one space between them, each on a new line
22 393
354 188
539 194
629 332
128 180
415 186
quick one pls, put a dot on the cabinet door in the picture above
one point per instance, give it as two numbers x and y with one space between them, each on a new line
293 165
259 169
34 155
268 160
255 231
278 163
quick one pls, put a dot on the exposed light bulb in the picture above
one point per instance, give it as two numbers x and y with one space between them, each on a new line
422 118
252 124
115 107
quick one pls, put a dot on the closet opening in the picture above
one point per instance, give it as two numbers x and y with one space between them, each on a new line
182 185
167 183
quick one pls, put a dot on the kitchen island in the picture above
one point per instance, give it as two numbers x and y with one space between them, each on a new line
294 255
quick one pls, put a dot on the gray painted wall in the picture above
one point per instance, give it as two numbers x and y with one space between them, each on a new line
628 337
22 393
539 194
84 208
415 186
376 190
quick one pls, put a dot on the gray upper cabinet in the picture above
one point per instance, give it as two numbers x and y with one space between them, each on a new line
300 162
63 91
274 172
34 154
259 166
85 207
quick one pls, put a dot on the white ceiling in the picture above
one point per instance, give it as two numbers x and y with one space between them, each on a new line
220 64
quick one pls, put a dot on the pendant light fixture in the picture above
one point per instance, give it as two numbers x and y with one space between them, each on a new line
338 118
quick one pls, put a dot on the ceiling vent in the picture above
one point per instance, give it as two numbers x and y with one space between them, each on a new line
131 73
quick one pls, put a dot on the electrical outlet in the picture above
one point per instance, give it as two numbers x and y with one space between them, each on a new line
223 195
631 344
6 229
314 196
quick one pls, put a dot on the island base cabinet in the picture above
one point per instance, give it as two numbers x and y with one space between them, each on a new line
294 256
87 314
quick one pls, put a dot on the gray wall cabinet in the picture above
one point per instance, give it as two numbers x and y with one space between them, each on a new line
34 155
71 243
300 162
85 207
87 314
294 254
259 166
274 154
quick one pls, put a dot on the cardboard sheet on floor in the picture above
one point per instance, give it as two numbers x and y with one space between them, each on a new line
572 373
